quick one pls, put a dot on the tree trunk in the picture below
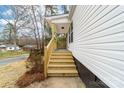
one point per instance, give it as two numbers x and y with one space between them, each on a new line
36 27
10 36
14 41
42 32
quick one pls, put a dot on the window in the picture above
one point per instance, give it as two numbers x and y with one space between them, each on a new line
71 33
69 36
71 26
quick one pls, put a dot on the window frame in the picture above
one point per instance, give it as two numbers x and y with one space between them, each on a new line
70 33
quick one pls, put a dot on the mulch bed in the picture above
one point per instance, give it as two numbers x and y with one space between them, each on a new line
35 72
28 78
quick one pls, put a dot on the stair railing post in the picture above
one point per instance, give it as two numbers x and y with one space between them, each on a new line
45 61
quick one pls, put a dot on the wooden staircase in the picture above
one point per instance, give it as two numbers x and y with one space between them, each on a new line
61 63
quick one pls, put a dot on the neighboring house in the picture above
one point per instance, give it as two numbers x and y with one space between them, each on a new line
95 36
2 47
29 47
8 47
12 47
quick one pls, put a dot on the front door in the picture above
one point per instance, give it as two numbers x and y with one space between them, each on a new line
61 41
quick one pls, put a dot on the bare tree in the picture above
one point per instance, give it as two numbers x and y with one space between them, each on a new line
27 18
36 17
19 19
37 28
40 14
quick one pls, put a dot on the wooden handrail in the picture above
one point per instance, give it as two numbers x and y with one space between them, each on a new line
48 50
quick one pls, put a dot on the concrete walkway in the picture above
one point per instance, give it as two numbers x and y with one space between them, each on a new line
59 82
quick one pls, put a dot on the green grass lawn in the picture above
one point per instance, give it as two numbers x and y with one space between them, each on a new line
8 54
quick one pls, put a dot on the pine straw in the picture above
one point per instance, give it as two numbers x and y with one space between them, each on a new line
28 79
33 75
34 70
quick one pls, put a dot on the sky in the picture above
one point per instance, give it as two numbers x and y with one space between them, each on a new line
5 13
60 8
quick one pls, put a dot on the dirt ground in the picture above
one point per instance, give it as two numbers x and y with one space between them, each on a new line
59 82
10 73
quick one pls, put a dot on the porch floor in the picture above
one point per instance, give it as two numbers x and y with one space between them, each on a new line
61 50
59 82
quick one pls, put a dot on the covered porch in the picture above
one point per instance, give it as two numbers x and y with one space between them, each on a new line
59 27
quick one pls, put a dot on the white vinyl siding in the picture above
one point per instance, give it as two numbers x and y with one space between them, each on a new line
98 41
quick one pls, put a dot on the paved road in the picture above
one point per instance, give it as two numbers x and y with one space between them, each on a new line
14 59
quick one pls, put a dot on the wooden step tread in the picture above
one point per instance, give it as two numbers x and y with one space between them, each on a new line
61 65
56 57
63 74
62 71
62 51
55 53
61 60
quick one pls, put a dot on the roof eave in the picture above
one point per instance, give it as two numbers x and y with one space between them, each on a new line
52 19
72 11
